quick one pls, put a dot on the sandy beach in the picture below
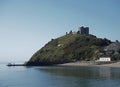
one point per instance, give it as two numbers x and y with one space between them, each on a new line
91 63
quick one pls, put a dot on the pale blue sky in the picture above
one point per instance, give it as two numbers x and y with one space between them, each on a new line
27 25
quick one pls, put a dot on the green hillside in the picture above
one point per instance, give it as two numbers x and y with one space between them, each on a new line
69 48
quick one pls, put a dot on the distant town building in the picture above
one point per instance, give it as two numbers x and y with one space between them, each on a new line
113 48
104 59
83 30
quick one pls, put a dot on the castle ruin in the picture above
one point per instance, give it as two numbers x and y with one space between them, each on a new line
83 30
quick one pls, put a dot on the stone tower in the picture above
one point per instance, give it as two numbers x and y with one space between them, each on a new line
84 30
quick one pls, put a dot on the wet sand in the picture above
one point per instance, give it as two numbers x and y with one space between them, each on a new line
91 63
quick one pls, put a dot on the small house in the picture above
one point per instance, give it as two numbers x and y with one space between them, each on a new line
104 59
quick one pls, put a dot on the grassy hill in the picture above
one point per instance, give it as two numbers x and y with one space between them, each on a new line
69 48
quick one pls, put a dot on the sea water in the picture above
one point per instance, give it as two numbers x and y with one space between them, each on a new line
56 76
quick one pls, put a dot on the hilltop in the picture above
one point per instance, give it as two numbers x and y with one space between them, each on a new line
69 48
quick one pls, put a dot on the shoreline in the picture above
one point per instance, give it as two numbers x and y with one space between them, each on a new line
115 64
92 64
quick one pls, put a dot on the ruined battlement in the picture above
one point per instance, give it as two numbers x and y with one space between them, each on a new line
81 30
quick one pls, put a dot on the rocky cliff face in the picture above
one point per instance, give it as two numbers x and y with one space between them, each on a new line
69 48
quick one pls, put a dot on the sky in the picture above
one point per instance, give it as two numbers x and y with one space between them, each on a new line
27 25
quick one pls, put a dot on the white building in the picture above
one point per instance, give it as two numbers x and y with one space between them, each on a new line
104 59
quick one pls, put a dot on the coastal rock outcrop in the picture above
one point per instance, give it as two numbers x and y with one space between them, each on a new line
69 48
